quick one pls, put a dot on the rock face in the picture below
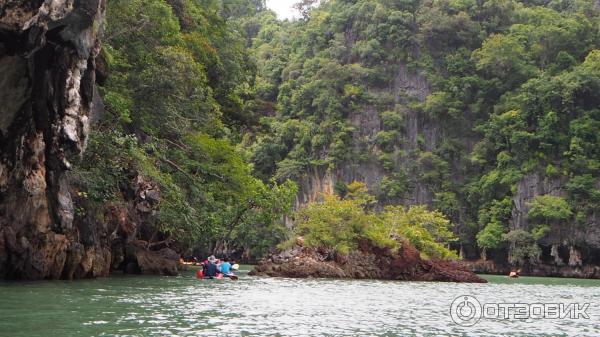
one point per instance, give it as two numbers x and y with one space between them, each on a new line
541 270
141 260
47 66
407 85
368 262
115 232
421 134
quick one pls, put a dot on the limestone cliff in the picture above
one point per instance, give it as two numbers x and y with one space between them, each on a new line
567 251
47 61
47 58
564 250
367 123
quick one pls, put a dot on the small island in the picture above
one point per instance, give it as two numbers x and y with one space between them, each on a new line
368 262
347 237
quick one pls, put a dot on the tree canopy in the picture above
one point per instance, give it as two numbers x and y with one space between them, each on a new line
455 105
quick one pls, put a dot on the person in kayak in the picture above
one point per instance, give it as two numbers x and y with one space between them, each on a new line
211 268
515 274
226 267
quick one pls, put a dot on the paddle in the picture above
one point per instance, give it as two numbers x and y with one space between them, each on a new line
235 267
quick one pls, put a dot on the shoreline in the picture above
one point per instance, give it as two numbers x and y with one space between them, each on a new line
542 270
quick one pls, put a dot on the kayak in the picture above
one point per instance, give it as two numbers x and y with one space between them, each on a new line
232 278
200 276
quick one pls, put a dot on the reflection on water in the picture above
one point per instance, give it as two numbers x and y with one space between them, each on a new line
184 306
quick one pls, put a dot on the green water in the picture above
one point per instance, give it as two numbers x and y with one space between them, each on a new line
184 306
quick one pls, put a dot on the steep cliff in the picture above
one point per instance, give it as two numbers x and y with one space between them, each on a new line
366 163
475 109
48 53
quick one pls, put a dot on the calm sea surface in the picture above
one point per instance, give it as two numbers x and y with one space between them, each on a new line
184 306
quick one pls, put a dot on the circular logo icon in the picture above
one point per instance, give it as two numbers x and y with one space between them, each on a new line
466 310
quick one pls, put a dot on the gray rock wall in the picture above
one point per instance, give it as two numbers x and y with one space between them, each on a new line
367 123
47 59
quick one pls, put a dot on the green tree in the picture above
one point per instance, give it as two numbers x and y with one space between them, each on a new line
339 224
429 232
177 95
550 208
522 247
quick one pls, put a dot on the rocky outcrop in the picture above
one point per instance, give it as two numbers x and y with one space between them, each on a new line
48 67
48 50
123 231
143 261
368 262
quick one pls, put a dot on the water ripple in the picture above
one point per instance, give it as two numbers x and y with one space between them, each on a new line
184 306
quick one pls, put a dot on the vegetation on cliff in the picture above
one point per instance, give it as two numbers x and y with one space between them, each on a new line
486 111
456 105
176 102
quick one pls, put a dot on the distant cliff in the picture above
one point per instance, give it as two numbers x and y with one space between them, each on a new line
473 109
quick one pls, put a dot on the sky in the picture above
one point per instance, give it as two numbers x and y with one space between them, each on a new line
283 8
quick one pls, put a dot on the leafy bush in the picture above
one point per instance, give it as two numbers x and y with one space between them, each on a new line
336 224
427 231
550 208
340 224
522 247
393 187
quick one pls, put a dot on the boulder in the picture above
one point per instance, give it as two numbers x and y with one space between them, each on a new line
141 260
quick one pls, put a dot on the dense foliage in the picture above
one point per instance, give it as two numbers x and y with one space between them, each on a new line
176 98
460 103
341 224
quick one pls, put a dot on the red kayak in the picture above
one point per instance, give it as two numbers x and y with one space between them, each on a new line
200 275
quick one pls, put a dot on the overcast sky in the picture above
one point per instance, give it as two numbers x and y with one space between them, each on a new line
283 8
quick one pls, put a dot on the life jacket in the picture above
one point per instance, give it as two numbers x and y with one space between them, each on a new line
199 274
211 270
